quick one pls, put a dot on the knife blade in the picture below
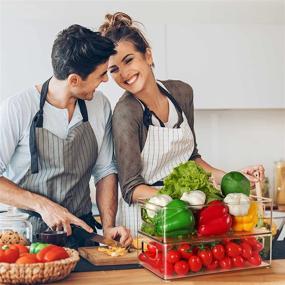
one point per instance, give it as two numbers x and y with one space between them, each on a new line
80 232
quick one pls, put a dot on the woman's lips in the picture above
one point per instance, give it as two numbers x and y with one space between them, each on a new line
132 79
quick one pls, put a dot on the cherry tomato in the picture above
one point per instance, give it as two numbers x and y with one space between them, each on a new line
156 261
173 256
181 267
218 252
246 250
225 263
214 265
152 249
143 257
185 250
233 249
238 261
255 259
28 258
167 269
195 263
258 246
206 256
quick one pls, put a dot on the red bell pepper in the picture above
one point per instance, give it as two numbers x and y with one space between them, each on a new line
214 219
8 254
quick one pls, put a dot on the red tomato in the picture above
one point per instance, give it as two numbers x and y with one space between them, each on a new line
218 252
205 256
246 250
156 262
142 257
233 249
56 254
238 261
185 250
173 256
167 269
255 244
255 259
214 265
258 246
225 263
28 258
181 267
195 263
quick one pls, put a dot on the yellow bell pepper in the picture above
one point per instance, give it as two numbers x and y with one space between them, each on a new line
248 222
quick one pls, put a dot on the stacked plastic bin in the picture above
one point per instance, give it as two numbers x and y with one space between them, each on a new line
179 241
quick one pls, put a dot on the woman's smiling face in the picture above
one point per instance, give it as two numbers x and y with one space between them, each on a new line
130 68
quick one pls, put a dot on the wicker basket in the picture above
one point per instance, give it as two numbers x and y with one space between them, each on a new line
38 272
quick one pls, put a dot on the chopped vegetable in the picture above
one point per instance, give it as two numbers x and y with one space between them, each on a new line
195 198
238 204
188 177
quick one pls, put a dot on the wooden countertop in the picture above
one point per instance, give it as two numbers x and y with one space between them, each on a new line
272 275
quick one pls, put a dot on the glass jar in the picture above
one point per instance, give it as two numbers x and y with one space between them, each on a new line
279 182
15 228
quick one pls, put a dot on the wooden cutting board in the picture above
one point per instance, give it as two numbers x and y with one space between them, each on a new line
100 258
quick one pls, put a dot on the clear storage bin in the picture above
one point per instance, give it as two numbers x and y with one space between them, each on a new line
165 231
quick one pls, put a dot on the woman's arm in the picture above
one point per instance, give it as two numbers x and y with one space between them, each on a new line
217 174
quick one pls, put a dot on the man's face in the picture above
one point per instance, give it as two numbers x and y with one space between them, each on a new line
84 89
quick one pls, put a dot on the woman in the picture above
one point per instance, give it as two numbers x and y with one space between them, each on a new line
153 122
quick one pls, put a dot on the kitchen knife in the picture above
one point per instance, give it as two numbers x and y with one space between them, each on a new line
94 237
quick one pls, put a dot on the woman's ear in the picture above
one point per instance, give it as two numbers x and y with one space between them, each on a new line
148 57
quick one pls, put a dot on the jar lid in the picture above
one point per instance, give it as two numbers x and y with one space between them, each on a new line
13 216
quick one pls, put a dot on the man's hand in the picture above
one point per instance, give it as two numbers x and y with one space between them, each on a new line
119 232
59 218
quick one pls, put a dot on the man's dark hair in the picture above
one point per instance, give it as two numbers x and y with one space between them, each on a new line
79 50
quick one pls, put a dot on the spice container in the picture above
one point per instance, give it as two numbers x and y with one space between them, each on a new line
15 228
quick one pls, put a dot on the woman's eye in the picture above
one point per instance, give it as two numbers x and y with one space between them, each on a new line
113 70
128 60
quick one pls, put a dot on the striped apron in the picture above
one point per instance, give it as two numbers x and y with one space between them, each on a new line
164 149
61 168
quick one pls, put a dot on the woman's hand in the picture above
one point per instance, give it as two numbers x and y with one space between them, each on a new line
254 173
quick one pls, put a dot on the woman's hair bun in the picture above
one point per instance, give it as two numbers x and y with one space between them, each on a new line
115 21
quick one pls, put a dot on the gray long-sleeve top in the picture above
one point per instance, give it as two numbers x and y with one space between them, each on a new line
130 134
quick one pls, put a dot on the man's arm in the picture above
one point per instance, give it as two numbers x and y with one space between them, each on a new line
107 200
54 215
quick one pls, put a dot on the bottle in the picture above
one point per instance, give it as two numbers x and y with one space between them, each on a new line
279 182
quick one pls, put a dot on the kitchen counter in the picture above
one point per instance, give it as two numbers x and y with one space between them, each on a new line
273 275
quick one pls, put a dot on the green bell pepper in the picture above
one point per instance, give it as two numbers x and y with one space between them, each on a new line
174 220
37 246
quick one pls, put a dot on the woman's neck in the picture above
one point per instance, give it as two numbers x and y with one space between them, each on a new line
151 95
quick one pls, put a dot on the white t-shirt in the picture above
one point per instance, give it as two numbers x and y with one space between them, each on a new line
172 116
16 114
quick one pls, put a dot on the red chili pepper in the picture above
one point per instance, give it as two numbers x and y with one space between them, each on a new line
214 219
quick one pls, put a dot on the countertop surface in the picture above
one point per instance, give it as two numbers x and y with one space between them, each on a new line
267 275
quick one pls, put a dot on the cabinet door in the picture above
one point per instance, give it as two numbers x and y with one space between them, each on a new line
229 65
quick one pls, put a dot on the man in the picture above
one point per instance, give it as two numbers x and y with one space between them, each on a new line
54 136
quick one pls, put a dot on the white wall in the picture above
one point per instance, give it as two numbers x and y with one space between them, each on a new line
228 139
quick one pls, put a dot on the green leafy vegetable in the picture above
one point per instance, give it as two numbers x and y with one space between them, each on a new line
188 177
